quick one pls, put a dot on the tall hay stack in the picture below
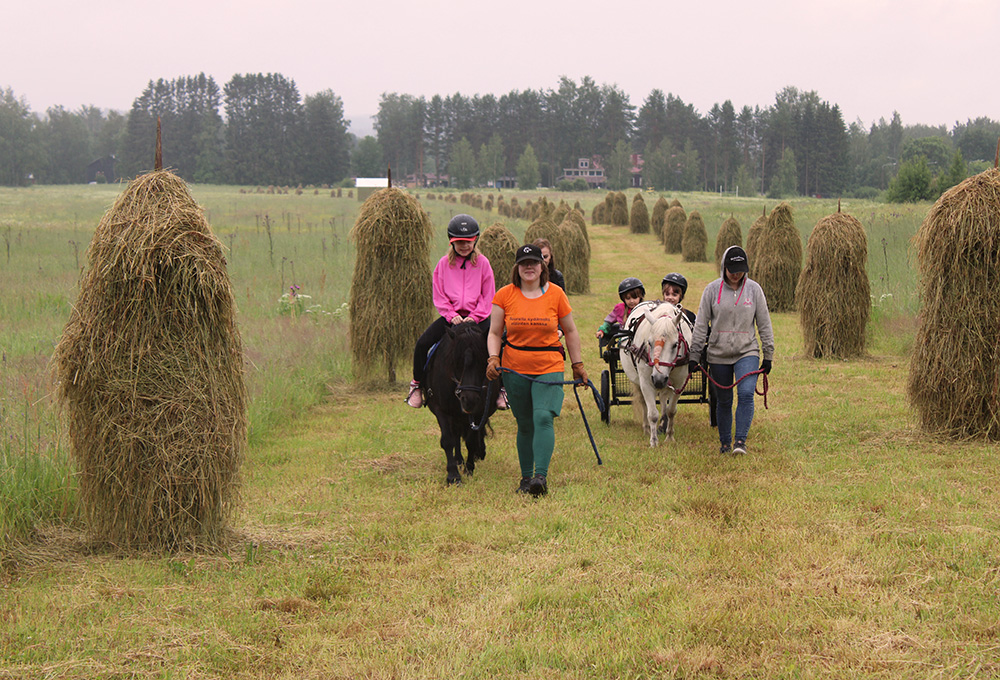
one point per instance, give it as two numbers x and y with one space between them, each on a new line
576 216
778 259
574 256
753 240
833 293
597 214
609 207
675 204
499 246
619 211
730 234
559 214
656 220
639 218
673 229
955 365
694 244
150 370
392 235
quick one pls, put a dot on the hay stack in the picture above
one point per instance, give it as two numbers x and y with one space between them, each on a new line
545 228
609 207
574 256
778 260
597 214
393 229
694 244
675 204
753 240
150 371
955 366
833 295
639 218
559 214
576 216
656 221
729 235
673 229
619 211
499 246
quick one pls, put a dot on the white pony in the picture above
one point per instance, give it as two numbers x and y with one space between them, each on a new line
656 361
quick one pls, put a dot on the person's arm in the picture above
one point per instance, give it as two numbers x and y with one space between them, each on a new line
495 338
573 347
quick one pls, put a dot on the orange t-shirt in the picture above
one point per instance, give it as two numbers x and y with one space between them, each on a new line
532 323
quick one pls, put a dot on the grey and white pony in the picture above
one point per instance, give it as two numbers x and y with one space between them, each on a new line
656 361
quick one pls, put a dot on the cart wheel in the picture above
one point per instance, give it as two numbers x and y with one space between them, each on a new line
606 396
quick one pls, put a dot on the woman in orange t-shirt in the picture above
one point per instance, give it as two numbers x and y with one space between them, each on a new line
532 311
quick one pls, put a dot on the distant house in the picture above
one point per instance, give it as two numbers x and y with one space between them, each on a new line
637 164
104 166
367 186
426 180
588 169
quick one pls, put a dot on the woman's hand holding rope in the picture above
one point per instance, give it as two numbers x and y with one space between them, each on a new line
580 374
493 367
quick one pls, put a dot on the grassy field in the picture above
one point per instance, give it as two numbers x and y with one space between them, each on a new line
847 544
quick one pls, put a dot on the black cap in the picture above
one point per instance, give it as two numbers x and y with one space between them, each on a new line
528 252
735 260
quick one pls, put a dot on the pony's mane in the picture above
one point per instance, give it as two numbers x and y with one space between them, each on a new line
467 336
645 331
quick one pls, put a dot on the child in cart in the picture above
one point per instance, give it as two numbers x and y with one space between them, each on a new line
674 286
632 292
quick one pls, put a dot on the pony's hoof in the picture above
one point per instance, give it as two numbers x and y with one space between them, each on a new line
454 481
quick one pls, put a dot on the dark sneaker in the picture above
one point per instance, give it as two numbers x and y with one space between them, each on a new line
725 449
538 486
523 486
740 448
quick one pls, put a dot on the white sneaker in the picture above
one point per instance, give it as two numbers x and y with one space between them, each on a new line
502 404
415 398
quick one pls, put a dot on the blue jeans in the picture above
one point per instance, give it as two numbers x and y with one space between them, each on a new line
726 374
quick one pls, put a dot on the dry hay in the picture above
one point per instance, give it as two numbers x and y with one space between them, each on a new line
833 295
639 219
656 221
559 214
675 204
729 235
673 229
955 366
576 216
609 207
499 246
694 245
574 256
392 234
597 214
545 228
778 260
753 239
619 211
150 373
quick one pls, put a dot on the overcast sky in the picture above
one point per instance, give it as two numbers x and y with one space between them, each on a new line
930 60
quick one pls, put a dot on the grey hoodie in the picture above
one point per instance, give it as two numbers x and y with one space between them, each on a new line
732 315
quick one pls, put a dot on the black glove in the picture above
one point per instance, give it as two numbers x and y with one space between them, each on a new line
694 367
765 366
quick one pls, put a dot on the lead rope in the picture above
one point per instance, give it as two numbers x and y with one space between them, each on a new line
759 371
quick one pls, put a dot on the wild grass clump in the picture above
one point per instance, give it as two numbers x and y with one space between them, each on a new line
391 288
499 246
778 260
833 293
639 218
955 363
656 220
694 243
673 229
150 372
729 235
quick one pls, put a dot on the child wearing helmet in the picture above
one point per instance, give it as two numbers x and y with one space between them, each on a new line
673 287
632 292
463 293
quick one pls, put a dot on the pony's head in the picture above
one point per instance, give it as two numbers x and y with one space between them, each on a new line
466 362
663 342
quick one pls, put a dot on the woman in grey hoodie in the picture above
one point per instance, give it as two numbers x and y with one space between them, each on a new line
736 310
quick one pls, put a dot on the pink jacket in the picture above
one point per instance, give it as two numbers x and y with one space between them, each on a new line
469 291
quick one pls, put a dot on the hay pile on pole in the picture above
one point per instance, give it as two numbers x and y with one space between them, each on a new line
559 214
392 234
694 244
675 204
150 372
656 221
778 260
597 214
576 216
954 380
833 294
545 228
730 234
619 211
639 218
499 246
609 207
574 256
753 240
673 229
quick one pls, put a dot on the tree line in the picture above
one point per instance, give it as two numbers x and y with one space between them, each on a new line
258 129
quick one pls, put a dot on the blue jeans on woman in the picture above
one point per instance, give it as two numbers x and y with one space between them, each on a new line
727 374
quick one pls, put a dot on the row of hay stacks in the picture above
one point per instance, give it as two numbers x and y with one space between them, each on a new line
776 259
570 248
150 372
639 217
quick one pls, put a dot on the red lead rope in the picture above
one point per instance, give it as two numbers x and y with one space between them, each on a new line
764 384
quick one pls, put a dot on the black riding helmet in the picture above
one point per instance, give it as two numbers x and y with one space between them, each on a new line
631 283
677 280
464 227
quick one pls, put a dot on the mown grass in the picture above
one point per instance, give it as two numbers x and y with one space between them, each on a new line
847 544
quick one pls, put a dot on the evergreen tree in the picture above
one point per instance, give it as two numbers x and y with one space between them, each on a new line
264 129
367 159
325 154
528 175
462 164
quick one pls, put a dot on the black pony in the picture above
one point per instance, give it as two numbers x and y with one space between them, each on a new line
460 396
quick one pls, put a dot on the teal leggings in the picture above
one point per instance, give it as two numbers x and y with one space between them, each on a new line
534 406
